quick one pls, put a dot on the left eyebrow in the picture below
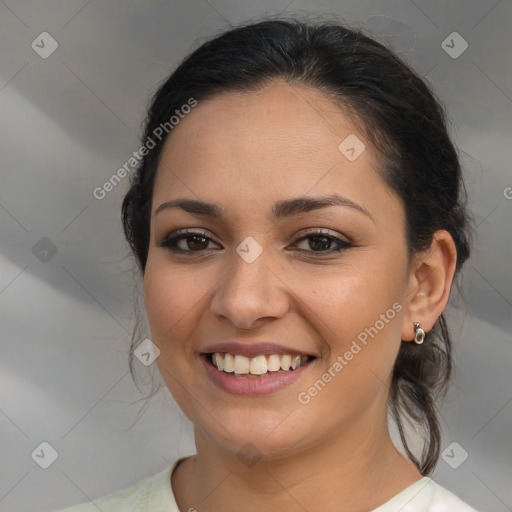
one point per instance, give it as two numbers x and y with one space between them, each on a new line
280 210
306 204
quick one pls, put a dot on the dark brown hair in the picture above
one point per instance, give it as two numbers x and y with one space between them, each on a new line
397 112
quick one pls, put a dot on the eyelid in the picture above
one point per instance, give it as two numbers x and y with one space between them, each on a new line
323 231
182 233
342 244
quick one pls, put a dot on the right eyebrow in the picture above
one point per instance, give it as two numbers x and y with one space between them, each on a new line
192 206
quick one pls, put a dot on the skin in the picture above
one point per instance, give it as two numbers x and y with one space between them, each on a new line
244 152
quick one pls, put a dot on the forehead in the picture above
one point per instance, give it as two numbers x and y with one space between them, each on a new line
264 122
278 140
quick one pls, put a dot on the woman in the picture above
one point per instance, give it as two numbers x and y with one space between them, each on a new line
298 217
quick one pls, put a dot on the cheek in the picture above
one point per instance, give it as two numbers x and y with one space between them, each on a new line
358 313
170 293
172 301
360 346
352 298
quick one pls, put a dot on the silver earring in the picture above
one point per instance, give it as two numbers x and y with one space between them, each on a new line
419 336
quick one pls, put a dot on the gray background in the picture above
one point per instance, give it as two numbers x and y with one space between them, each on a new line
69 121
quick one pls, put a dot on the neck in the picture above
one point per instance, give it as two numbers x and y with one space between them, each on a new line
361 470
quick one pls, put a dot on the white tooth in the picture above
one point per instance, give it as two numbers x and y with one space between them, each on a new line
258 365
285 362
273 363
229 365
217 361
295 362
242 364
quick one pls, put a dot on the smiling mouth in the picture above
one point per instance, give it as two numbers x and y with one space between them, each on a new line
241 366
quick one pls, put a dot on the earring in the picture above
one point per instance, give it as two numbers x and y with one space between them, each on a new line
419 336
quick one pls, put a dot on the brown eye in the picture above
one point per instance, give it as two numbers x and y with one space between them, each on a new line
195 242
187 242
320 242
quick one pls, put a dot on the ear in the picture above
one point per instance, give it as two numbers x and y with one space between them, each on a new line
430 282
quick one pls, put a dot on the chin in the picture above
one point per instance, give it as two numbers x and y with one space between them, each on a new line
271 437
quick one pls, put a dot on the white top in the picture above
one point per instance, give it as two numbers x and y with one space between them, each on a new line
154 494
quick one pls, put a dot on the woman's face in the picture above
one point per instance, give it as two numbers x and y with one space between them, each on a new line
263 277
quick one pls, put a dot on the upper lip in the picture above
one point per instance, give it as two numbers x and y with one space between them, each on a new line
253 349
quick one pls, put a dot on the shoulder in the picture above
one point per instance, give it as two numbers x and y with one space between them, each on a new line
444 500
425 495
151 493
126 500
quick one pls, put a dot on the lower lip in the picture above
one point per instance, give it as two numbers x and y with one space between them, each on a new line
253 386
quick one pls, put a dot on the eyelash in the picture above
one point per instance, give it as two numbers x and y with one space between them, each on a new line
169 242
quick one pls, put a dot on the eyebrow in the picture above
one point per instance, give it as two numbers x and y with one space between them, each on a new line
280 210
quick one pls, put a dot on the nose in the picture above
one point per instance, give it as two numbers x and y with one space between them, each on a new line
250 293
